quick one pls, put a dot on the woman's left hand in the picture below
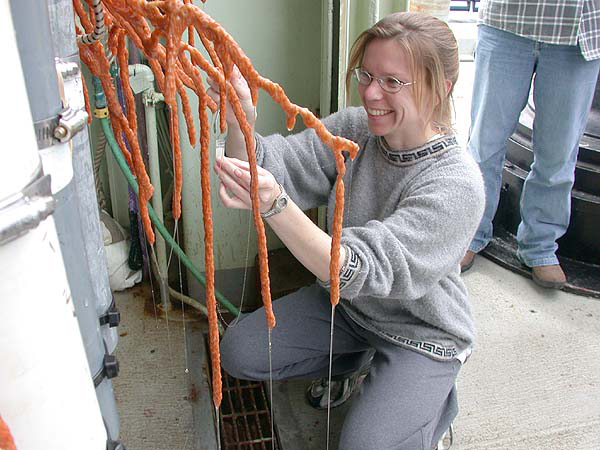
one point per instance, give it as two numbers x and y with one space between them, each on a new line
234 191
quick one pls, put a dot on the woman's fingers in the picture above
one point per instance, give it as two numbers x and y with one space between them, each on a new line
235 186
240 85
240 171
243 94
235 177
225 165
213 94
245 165
230 201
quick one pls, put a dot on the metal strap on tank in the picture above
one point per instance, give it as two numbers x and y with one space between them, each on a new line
24 210
44 132
69 122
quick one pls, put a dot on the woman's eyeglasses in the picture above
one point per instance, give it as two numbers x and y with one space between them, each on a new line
388 84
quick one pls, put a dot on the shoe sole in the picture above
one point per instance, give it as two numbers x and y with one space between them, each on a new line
548 284
466 267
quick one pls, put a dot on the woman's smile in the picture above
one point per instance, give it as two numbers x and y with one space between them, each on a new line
378 112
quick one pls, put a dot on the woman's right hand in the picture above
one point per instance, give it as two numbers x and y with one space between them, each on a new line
242 90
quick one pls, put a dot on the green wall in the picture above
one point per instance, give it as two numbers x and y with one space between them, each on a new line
283 41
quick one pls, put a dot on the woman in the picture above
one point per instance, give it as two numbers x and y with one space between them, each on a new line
413 202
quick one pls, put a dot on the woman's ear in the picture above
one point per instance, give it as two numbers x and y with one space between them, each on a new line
448 86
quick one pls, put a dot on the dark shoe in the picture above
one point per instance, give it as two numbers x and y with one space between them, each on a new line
551 277
467 261
341 390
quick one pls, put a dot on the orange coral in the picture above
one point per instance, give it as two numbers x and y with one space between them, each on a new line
175 65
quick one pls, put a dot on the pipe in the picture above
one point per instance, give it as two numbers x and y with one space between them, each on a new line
182 297
154 168
141 79
373 12
154 218
32 29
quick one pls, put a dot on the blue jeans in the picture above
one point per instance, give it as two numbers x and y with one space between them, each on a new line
563 88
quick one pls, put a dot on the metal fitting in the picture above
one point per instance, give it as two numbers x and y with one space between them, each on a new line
151 98
69 124
68 70
25 210
101 113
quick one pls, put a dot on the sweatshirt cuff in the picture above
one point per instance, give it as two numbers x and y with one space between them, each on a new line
259 149
349 270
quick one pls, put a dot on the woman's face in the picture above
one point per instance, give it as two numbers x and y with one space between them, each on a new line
393 116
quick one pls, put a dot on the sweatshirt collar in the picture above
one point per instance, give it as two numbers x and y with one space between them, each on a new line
433 148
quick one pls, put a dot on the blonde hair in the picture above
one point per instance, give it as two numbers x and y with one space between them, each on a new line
433 54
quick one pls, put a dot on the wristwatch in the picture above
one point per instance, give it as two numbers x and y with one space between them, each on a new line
279 204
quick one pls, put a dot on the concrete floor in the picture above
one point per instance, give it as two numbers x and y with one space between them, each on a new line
533 381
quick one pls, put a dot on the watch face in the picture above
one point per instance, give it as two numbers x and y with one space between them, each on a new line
281 202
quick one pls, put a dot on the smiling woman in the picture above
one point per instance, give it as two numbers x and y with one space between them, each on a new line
419 51
413 202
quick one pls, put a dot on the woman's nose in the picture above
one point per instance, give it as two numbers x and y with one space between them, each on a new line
373 91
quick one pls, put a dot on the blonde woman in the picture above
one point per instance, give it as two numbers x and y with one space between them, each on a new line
413 202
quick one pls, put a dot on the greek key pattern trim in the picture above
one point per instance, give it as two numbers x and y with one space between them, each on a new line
410 157
349 270
427 347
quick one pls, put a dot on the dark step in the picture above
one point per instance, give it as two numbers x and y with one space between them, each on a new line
582 239
589 146
520 153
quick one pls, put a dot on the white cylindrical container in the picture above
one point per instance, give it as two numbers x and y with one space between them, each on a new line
47 396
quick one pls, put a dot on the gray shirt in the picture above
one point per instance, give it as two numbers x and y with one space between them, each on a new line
408 220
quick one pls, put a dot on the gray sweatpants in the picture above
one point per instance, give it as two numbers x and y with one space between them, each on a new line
405 403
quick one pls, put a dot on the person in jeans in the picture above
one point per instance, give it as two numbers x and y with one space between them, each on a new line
413 200
557 44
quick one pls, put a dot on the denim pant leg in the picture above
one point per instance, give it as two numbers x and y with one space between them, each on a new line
504 65
563 90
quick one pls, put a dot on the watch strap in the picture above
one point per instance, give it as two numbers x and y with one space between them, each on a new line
275 207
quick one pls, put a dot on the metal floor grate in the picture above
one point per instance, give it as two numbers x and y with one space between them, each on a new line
244 416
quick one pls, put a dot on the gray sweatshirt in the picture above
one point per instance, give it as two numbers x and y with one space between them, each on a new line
408 220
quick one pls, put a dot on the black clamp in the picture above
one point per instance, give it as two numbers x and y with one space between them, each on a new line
112 317
110 369
114 445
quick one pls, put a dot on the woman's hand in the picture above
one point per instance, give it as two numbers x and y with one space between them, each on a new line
234 191
242 90
307 242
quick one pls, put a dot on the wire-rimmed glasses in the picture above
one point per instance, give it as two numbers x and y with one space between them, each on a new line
388 84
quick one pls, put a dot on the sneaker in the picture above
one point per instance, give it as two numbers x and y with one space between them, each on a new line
445 443
551 277
341 390
467 261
